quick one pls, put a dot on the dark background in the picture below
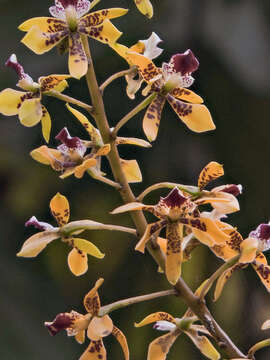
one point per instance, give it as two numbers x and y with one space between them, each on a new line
231 40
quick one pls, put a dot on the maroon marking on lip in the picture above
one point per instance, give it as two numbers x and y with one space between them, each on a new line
185 63
232 189
262 232
62 322
174 198
65 138
66 3
13 64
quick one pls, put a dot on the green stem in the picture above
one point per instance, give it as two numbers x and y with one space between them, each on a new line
192 190
132 113
138 218
134 300
114 77
70 100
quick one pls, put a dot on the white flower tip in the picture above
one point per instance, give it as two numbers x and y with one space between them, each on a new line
13 58
164 326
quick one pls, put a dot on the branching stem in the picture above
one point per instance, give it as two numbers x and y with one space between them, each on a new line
114 77
70 100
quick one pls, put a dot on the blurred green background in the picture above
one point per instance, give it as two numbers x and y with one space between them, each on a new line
231 40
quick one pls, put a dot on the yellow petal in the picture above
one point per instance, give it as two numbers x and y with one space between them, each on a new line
46 156
203 344
232 246
45 24
152 117
248 249
163 244
87 247
30 112
146 67
121 50
196 117
120 337
151 229
97 17
77 262
46 124
59 206
263 271
157 316
81 169
186 95
77 60
106 32
103 150
95 351
210 172
223 279
36 243
131 170
159 348
53 82
145 7
10 101
174 254
99 327
133 206
80 337
40 42
132 141
91 300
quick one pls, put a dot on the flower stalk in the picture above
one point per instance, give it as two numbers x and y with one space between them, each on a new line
70 100
114 77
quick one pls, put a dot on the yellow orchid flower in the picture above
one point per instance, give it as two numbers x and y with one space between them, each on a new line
159 348
27 104
170 83
96 327
145 7
179 214
77 258
69 21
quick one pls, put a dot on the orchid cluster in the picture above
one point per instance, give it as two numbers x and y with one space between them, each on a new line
182 220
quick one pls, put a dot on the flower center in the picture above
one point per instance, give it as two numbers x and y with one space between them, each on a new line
71 17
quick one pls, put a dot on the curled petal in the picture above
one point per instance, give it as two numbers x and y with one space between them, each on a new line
106 32
45 24
203 344
146 67
91 300
120 337
145 7
40 42
195 116
152 117
159 348
132 171
59 206
157 316
248 249
77 61
186 95
95 351
174 254
99 327
151 229
133 206
150 47
87 247
224 203
46 124
210 172
53 82
30 112
10 101
36 243
77 262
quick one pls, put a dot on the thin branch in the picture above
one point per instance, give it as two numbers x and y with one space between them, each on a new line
114 77
134 300
132 113
103 179
258 346
70 100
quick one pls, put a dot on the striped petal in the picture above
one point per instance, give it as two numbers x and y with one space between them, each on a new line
36 243
210 172
186 95
30 112
59 206
146 67
97 17
91 300
77 61
46 124
174 254
77 262
196 117
106 32
53 82
120 337
99 327
152 117
95 351
45 24
40 42
157 316
131 170
159 348
10 101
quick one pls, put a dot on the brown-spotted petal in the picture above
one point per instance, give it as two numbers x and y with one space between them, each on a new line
195 116
95 351
97 17
152 117
186 95
146 67
91 300
77 61
210 172
106 32
151 229
53 82
263 271
157 316
59 206
36 243
174 254
99 327
45 24
203 344
159 348
120 337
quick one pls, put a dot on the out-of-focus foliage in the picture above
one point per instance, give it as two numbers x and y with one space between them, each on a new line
231 40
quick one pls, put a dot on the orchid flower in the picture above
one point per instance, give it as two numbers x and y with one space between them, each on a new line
96 327
27 104
77 258
70 22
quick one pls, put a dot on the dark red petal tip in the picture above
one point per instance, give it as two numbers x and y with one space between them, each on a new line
66 3
12 62
62 322
262 232
185 63
174 199
65 138
233 189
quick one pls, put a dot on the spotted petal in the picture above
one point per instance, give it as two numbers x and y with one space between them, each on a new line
77 262
10 101
99 327
131 170
53 82
40 42
186 95
30 112
196 117
36 243
46 124
106 32
263 270
97 17
95 351
59 206
146 67
145 7
157 316
210 172
174 253
45 24
159 348
87 247
77 61
91 300
152 117
120 337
